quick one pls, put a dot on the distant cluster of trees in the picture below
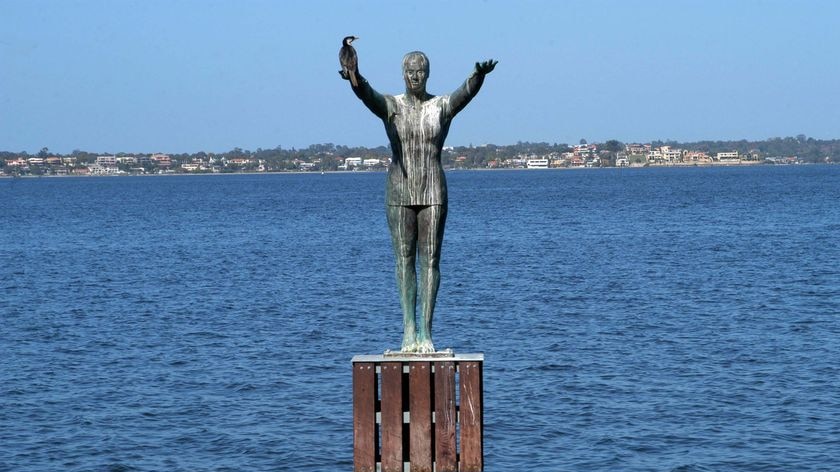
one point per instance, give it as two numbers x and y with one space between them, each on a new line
806 149
329 157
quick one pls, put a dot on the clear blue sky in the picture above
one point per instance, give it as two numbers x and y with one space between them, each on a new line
188 76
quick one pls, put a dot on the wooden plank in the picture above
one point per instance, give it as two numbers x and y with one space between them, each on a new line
392 417
472 453
409 357
420 425
406 424
364 417
446 454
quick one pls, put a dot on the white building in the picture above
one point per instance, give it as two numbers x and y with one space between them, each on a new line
99 169
106 161
672 155
353 161
654 155
371 162
727 156
635 148
621 160
540 163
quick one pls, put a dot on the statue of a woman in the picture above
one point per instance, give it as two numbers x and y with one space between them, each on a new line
417 124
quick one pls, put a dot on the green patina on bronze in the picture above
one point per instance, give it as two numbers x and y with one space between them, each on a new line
417 123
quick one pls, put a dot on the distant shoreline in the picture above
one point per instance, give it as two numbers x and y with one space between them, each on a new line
299 172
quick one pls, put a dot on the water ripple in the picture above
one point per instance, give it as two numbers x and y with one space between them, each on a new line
635 320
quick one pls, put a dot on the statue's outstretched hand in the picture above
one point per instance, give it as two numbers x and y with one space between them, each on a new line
485 67
346 76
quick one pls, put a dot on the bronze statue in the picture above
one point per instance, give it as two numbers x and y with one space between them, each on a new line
417 124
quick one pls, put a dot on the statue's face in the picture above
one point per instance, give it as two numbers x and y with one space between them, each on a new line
415 75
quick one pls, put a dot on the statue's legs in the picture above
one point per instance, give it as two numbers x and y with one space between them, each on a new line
430 224
402 221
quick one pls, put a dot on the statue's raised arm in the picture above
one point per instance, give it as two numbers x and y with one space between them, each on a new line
469 89
375 101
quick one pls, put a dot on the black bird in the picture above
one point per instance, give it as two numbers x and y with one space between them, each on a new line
348 59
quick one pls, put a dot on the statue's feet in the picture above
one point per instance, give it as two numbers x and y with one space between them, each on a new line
409 344
425 346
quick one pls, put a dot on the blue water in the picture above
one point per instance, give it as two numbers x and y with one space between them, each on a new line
632 319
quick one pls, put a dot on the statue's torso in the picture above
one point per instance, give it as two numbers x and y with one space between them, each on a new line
417 131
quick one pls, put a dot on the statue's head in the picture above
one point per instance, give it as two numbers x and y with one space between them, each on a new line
415 68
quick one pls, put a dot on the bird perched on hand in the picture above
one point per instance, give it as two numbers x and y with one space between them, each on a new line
348 59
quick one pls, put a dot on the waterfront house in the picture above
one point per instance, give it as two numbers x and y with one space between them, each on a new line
537 163
161 160
635 148
727 156
106 160
697 157
654 156
672 155
99 169
621 160
239 161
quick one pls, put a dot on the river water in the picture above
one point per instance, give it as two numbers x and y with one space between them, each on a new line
632 319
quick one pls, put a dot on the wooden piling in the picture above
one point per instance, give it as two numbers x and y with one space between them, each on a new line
406 413
364 417
392 416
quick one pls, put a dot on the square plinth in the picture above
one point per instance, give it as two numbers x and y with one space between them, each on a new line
418 413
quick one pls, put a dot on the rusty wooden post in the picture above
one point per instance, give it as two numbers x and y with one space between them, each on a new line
472 421
364 417
392 417
446 453
418 415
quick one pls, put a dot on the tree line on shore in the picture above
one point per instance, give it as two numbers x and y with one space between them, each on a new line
328 156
